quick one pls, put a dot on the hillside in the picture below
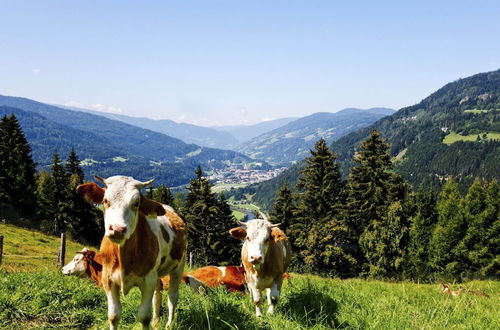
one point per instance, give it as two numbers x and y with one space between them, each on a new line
244 133
202 136
109 147
292 142
434 139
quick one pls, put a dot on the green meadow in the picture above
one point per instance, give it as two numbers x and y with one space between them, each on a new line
36 295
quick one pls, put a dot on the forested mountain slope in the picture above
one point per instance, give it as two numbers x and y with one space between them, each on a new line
110 147
454 132
291 142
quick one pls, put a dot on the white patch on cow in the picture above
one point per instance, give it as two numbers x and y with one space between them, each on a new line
76 265
257 241
223 270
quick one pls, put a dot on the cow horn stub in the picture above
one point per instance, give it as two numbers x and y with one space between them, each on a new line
100 179
242 223
275 225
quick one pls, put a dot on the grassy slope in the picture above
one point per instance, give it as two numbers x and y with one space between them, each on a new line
27 250
454 137
44 298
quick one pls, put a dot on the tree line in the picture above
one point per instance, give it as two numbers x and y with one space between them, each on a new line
372 224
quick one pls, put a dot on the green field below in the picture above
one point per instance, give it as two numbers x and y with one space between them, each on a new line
455 137
34 294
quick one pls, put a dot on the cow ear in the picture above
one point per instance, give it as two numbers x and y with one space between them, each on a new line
239 233
150 207
277 234
92 192
90 255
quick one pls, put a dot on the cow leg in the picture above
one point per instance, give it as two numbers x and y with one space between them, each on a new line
173 291
256 298
157 303
273 295
114 306
145 308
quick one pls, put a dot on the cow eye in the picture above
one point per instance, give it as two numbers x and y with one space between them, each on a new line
136 204
248 239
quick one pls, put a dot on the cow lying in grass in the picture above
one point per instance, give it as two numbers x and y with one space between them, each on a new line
143 241
266 254
232 277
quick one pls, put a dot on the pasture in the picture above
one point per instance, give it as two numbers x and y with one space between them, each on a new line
40 297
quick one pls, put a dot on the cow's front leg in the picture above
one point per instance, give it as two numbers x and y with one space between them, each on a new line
145 308
173 291
114 305
273 295
256 296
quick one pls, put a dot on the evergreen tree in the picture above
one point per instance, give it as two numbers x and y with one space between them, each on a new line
481 244
17 169
385 243
446 256
61 182
73 166
46 199
208 223
283 208
422 225
318 232
163 195
372 187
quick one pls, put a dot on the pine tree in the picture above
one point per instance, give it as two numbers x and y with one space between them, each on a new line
163 195
208 223
79 215
61 182
445 259
283 208
17 169
422 225
372 187
317 232
385 243
481 243
45 200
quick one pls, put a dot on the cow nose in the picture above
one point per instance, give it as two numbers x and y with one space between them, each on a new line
255 259
118 229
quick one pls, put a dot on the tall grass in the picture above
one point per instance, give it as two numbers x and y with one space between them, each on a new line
51 300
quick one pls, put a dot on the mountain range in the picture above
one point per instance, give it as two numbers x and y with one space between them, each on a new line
290 143
108 146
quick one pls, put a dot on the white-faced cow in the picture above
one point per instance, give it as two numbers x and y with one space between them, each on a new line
143 241
85 262
266 254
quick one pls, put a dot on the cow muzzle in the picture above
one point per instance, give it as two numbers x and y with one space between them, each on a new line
116 233
255 259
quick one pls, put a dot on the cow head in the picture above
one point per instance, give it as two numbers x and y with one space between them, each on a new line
77 265
121 199
257 236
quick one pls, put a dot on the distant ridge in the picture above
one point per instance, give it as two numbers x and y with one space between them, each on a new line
291 142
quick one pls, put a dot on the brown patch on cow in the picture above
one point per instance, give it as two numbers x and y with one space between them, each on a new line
210 276
277 234
235 278
164 233
91 192
175 221
93 266
149 207
238 233
179 243
135 256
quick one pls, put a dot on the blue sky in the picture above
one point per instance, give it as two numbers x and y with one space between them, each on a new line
232 62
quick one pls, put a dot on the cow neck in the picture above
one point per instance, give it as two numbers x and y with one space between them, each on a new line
139 252
94 268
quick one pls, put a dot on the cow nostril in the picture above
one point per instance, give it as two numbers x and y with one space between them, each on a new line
118 229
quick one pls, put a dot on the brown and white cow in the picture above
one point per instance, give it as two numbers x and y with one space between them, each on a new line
266 254
85 262
232 277
143 241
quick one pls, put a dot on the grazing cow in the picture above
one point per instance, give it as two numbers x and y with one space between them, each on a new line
232 277
143 241
266 254
86 262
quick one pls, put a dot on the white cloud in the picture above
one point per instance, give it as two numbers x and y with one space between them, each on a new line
74 104
36 71
104 108
268 119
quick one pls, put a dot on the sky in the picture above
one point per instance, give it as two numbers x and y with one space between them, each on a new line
217 62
